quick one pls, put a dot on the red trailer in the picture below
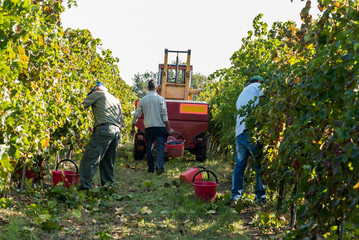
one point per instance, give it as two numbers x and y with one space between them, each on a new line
190 118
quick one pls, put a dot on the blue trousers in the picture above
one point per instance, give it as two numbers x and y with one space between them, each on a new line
245 148
158 134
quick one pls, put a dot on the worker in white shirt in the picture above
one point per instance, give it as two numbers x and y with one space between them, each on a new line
157 127
250 95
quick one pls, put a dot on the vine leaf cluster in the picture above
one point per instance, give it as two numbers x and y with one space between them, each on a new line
45 72
309 121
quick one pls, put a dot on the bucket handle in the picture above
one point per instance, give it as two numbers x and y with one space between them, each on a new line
179 135
68 160
205 170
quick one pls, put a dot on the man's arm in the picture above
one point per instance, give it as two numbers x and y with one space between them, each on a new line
163 111
89 100
133 130
164 117
168 128
136 115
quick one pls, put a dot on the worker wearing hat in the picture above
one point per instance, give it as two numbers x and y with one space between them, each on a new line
101 149
244 148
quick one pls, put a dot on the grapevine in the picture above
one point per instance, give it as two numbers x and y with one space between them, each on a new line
45 73
309 121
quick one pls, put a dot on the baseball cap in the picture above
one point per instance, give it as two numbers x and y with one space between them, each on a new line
257 78
98 84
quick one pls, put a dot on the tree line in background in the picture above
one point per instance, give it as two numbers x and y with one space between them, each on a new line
309 121
140 81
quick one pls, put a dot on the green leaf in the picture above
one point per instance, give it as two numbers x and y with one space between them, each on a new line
347 57
17 154
5 162
76 213
356 46
355 153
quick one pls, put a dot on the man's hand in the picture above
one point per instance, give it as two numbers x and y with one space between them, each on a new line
168 128
170 131
133 131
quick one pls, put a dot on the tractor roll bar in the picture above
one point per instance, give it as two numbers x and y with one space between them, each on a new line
174 51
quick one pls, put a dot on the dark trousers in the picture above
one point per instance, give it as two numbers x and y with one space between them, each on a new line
158 134
100 151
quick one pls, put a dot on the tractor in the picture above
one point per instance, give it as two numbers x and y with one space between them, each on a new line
186 116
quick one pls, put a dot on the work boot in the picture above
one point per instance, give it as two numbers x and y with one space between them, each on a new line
260 200
160 171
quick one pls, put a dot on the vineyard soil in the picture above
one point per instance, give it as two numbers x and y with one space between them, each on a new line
141 205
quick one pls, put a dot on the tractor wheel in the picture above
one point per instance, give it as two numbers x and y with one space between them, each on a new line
201 148
139 148
166 157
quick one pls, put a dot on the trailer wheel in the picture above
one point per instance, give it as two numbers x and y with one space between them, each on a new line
139 148
201 148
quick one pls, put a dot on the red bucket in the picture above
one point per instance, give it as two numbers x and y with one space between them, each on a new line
67 177
205 191
29 173
187 176
175 148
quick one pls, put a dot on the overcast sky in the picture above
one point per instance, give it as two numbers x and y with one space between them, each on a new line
138 31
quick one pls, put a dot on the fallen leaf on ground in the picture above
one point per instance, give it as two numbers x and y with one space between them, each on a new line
146 210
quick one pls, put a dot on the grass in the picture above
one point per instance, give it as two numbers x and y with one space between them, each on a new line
141 205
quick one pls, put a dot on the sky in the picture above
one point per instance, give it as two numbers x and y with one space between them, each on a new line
138 31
